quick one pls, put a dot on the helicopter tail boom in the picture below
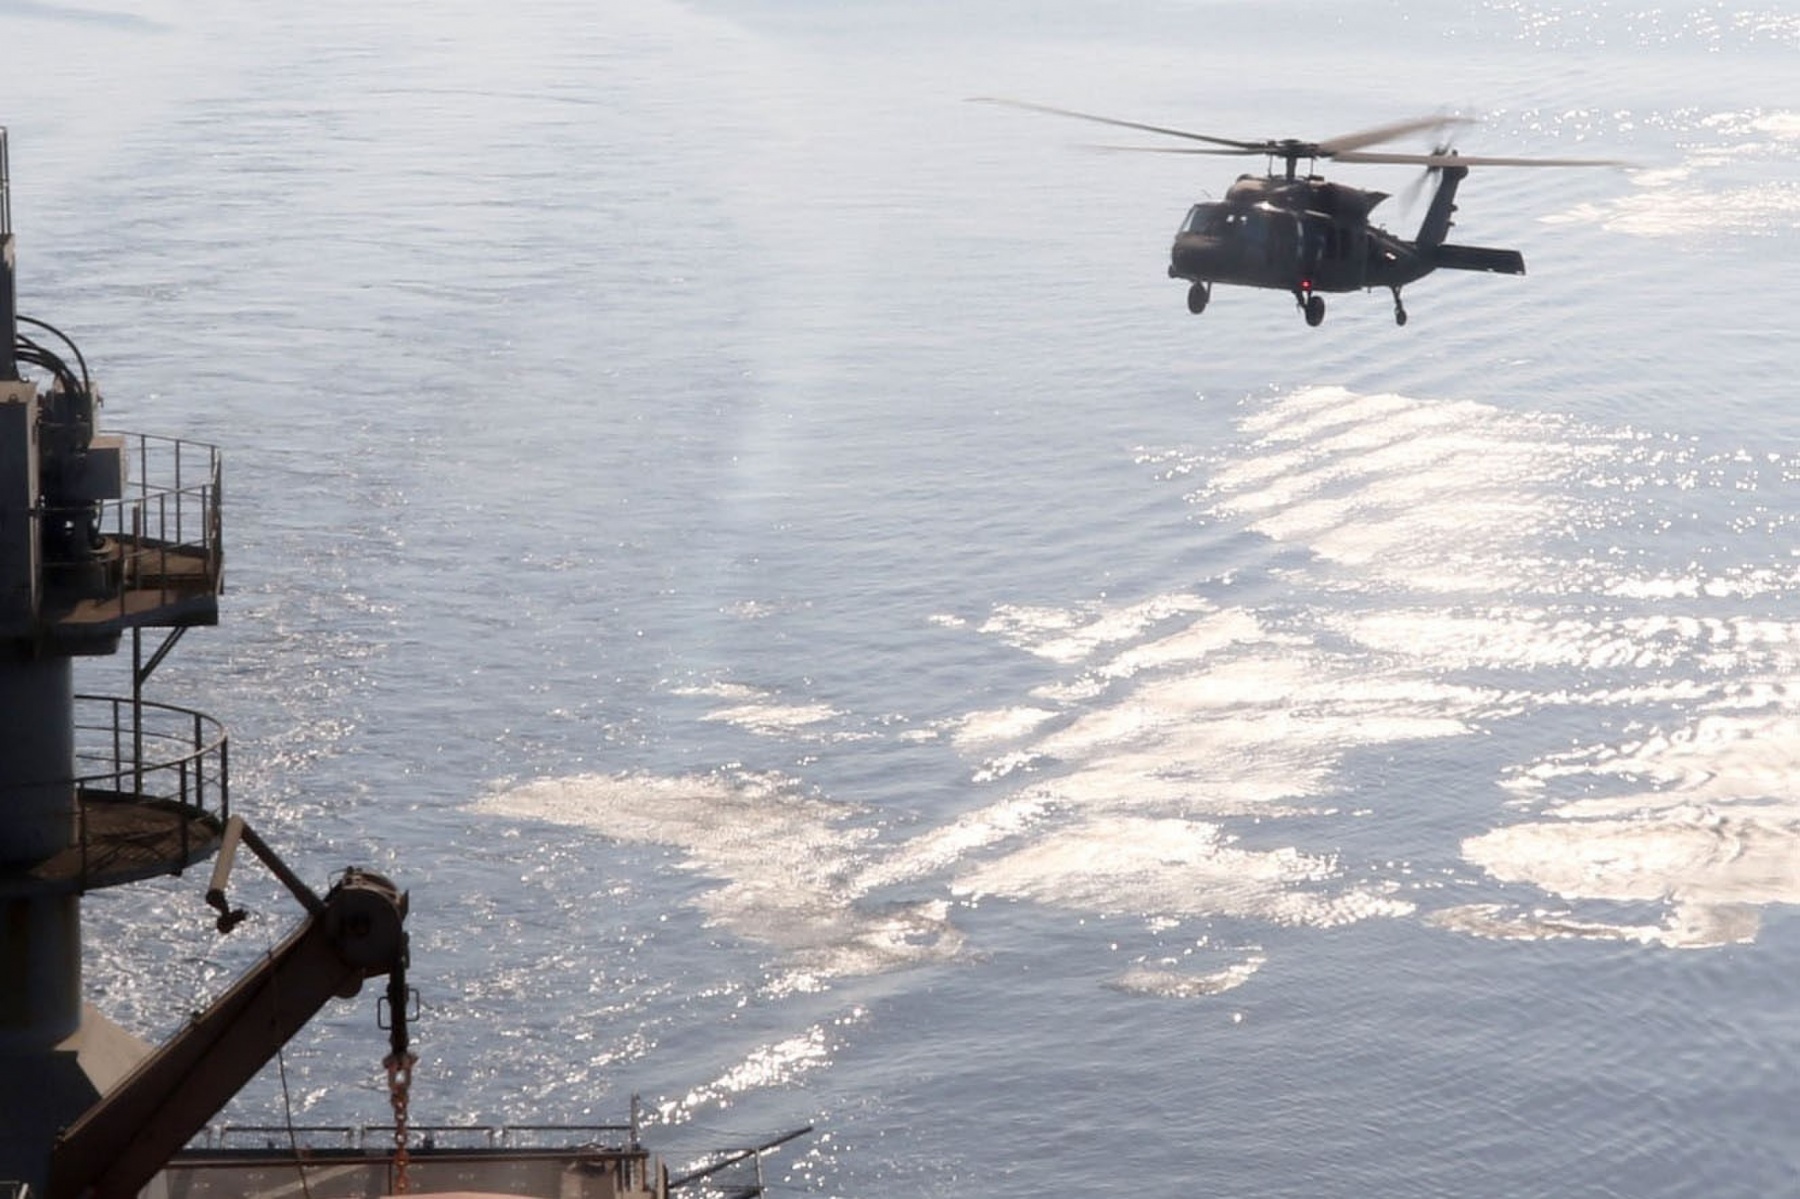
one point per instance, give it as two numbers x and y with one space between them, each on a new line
1436 225
1438 221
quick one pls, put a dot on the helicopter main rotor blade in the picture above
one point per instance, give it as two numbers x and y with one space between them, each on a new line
1337 147
1346 147
1235 147
1163 149
1476 160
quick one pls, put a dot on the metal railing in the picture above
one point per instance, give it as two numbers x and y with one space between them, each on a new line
172 763
348 1159
167 527
171 503
360 1137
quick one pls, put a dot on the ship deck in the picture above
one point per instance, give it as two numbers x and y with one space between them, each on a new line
587 1172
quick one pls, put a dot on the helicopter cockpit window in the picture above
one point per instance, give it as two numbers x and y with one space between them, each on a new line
1208 219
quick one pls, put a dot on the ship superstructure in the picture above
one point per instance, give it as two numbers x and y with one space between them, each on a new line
102 536
109 541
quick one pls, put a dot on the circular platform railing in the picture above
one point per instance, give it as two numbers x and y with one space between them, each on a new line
154 784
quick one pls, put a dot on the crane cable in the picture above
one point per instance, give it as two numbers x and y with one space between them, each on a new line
287 1098
399 1063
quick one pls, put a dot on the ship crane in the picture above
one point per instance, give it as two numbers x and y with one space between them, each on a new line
354 933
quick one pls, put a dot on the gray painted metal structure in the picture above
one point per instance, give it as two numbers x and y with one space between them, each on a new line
104 536
94 791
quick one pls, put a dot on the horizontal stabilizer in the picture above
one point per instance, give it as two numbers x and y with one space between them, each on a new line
1477 258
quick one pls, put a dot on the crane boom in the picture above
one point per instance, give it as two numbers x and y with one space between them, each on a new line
119 1143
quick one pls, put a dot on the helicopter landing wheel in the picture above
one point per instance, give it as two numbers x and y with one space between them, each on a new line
1314 308
1198 295
1399 309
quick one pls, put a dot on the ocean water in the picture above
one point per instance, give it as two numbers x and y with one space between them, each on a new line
756 545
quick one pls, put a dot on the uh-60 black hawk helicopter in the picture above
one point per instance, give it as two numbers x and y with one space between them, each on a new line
1303 234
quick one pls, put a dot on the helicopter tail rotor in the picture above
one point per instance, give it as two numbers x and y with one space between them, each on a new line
1409 199
1440 216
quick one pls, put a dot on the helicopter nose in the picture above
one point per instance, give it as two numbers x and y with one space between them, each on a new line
1193 257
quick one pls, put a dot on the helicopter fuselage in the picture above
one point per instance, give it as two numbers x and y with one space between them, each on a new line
1303 236
1308 235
